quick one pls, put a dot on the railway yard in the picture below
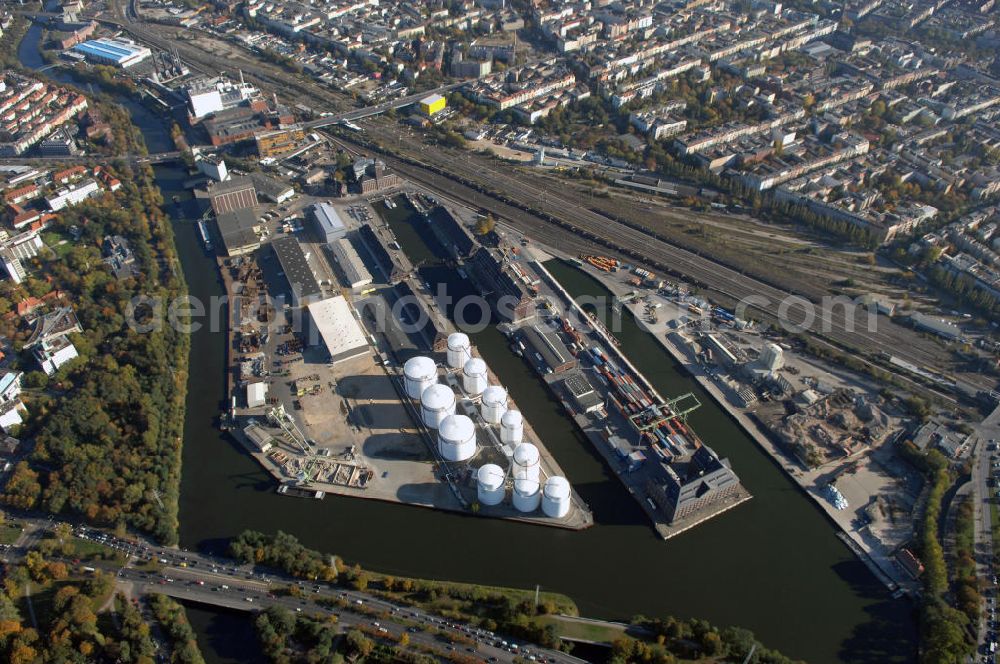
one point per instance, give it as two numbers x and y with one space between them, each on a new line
578 220
565 222
778 251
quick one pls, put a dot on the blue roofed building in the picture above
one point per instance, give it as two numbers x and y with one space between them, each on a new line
117 52
330 227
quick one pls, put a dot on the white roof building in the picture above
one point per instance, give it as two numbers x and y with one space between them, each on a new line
52 354
72 195
10 414
334 326
256 394
10 386
355 272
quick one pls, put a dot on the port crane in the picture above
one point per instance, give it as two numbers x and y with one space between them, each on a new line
279 417
673 409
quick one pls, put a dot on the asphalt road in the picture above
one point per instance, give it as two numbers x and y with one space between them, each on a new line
224 582
984 495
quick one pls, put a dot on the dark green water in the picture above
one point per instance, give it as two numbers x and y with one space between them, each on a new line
225 636
773 565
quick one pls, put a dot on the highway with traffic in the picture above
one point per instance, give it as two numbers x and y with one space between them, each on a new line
224 582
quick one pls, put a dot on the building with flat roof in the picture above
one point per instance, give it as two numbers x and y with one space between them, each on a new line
117 52
335 327
239 231
548 348
686 487
279 142
214 167
72 195
295 264
350 263
329 225
587 399
233 194
504 291
432 104
272 189
256 394
937 326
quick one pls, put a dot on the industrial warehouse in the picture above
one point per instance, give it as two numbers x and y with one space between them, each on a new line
117 52
350 379
330 401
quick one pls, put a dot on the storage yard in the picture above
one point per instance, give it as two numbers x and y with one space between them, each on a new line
677 479
368 391
329 400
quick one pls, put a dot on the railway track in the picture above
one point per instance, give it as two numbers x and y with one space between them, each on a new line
541 211
576 238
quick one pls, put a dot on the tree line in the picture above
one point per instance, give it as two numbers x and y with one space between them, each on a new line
106 428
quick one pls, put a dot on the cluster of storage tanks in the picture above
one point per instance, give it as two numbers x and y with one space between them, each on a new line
457 433
528 492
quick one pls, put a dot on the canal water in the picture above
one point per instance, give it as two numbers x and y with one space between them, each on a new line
772 565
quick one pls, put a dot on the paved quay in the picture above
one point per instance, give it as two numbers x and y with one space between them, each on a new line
875 556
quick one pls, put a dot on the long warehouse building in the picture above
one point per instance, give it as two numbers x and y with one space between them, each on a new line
329 225
549 348
337 329
117 52
295 264
350 263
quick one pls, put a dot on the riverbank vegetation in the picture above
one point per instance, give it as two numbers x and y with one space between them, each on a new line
675 640
284 552
170 615
12 36
106 428
946 635
511 612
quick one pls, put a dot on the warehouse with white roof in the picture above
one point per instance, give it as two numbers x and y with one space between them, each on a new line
350 263
335 327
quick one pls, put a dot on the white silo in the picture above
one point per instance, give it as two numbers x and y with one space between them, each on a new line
555 497
436 403
772 357
512 427
457 438
459 350
419 373
494 404
526 466
474 378
490 484
526 495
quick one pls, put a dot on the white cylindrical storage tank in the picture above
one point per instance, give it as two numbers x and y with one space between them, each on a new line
457 438
474 379
419 373
494 404
459 350
555 497
526 495
436 403
512 427
490 484
526 459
